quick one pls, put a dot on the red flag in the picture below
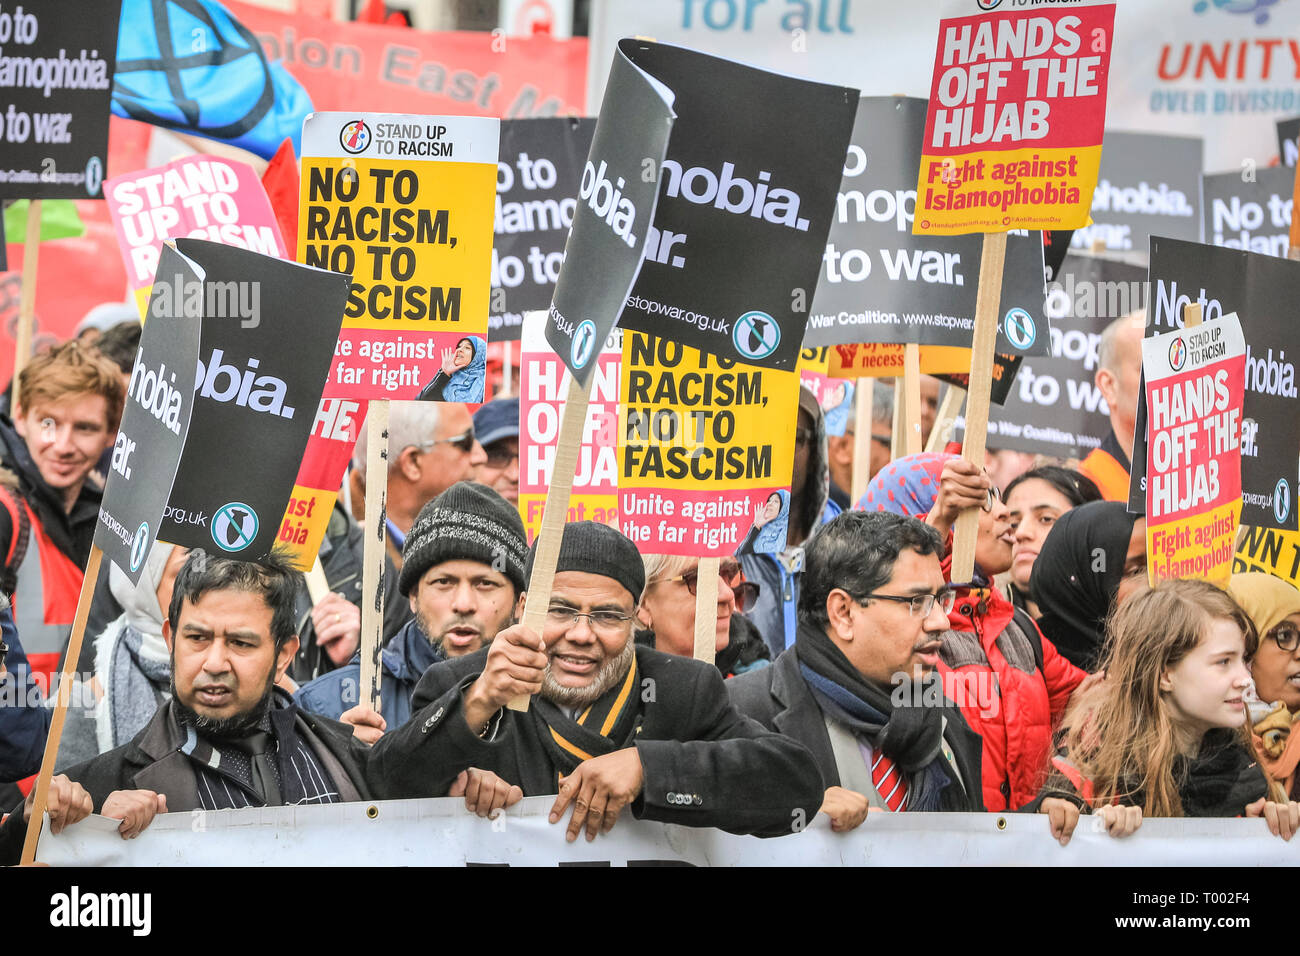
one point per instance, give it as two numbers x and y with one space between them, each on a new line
281 184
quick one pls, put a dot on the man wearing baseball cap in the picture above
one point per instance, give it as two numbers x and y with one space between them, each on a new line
610 724
497 426
463 572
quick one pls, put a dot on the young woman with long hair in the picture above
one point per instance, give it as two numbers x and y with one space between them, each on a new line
1163 734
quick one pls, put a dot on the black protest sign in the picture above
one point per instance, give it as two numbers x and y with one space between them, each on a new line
1056 244
616 203
1287 148
56 82
269 330
1248 209
1149 185
1003 375
1262 290
746 200
1055 407
880 283
155 421
538 175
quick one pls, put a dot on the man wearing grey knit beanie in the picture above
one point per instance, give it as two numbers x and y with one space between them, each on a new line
463 573
610 724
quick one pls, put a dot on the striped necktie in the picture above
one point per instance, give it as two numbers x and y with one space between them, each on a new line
888 781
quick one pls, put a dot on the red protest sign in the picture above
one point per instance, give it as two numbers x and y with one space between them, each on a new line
1017 107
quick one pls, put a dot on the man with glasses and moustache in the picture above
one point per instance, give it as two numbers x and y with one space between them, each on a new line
610 724
859 687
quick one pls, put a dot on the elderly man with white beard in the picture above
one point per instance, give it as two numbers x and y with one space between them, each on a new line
610 724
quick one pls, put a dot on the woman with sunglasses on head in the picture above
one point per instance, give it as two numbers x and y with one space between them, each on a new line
666 617
1161 736
1010 683
1274 608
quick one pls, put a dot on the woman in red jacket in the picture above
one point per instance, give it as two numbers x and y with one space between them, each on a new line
1009 681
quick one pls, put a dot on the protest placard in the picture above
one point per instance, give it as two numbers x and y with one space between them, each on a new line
325 459
746 200
702 464
617 197
1260 290
261 367
155 422
198 197
1195 383
881 283
1054 406
56 80
1148 186
835 396
1248 213
1269 551
1013 137
1287 132
538 176
403 203
880 360
543 385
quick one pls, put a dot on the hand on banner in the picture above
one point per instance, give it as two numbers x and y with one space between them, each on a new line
485 793
1283 819
846 808
962 485
1063 816
66 803
338 627
599 788
514 668
135 808
367 726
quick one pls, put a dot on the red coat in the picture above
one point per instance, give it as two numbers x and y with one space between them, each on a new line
990 669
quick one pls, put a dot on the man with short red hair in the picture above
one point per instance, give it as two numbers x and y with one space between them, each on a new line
68 404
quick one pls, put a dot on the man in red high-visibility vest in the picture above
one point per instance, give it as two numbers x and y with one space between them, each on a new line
67 406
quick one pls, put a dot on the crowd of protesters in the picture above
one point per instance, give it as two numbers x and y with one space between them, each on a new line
853 674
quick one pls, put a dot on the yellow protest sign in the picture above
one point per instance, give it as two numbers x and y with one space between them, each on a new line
704 443
879 360
1270 551
404 204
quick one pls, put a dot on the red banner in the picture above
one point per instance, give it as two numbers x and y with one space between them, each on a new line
375 68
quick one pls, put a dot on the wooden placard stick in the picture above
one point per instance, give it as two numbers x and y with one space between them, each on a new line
945 421
572 419
373 551
706 610
984 339
1191 315
317 584
27 298
896 429
863 428
912 399
41 799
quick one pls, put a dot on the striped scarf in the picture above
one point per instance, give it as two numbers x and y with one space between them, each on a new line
609 724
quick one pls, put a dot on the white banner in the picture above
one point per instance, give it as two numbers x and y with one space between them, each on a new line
442 833
1225 71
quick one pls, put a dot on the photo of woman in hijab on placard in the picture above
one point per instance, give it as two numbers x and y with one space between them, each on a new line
771 526
463 372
